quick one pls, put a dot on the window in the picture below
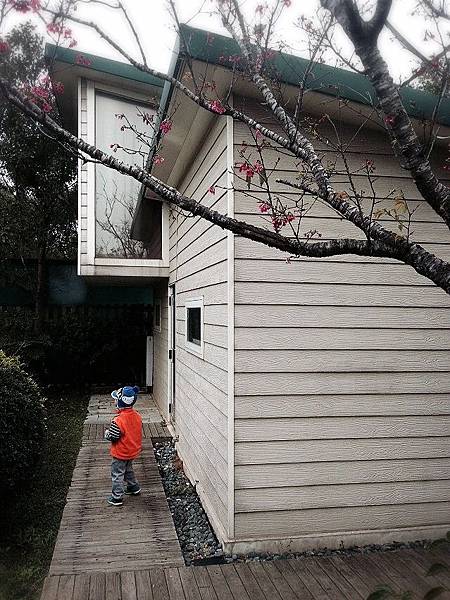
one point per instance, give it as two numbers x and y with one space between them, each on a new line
194 326
157 316
116 121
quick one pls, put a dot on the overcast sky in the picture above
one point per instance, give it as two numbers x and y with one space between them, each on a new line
157 33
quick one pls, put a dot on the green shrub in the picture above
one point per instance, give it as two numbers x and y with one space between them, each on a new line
22 423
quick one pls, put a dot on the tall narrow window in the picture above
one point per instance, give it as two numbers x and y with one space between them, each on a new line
194 326
157 316
122 128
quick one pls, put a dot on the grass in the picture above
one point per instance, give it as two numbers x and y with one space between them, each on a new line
29 522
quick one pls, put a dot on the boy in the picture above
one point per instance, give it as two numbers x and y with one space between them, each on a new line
125 435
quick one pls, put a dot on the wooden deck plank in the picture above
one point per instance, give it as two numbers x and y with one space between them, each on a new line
159 585
234 582
288 571
333 592
66 586
341 582
128 585
50 589
394 578
342 565
219 582
112 586
249 581
97 587
264 581
190 586
284 589
81 587
143 586
204 584
174 584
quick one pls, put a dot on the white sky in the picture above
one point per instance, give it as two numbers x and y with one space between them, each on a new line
157 33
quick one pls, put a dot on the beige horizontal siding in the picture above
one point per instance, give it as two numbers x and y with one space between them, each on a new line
369 494
342 383
315 521
342 365
336 294
350 405
304 451
334 338
342 427
346 317
337 473
198 268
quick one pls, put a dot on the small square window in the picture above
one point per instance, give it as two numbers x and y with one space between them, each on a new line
194 326
157 315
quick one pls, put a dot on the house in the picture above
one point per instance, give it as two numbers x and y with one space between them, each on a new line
309 398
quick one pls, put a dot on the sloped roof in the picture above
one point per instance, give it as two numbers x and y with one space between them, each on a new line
216 49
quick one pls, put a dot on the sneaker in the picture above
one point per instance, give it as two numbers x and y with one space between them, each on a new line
115 501
133 490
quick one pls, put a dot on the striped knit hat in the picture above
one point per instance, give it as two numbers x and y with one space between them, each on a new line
125 397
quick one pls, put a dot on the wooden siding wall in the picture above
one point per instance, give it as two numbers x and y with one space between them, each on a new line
160 354
342 374
198 267
83 176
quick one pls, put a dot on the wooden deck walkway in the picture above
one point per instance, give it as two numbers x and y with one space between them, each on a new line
95 536
335 577
132 552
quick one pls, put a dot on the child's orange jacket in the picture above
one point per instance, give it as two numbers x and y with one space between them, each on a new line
129 443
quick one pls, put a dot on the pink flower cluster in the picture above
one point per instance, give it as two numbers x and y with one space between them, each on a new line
217 107
4 47
389 120
165 126
212 189
25 6
158 160
279 221
250 169
60 30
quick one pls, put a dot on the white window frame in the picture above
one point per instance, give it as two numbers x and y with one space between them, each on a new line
91 89
156 327
196 349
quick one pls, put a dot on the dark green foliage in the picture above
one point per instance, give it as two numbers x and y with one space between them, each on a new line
29 523
37 178
22 424
81 344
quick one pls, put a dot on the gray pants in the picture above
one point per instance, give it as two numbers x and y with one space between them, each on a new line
122 470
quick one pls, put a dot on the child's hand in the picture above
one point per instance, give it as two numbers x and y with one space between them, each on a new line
106 434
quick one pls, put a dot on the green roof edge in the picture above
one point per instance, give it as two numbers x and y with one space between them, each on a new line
101 64
216 49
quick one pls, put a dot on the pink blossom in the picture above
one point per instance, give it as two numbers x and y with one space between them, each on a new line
58 87
212 189
287 3
39 91
82 60
4 47
217 107
158 160
46 107
258 167
263 206
165 126
258 135
73 43
389 120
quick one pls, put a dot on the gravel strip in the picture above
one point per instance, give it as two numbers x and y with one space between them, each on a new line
196 536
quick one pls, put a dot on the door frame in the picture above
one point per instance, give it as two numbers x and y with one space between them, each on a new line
171 352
